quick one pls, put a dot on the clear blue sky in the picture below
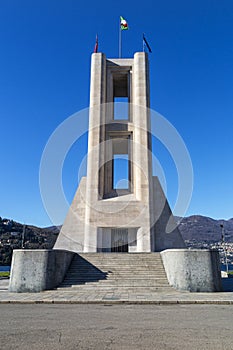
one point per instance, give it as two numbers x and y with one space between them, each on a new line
44 78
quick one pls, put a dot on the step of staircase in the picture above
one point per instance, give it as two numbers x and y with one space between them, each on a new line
124 272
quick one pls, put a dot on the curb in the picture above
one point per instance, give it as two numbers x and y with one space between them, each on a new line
123 302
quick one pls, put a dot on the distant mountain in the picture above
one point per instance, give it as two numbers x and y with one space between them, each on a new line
204 229
52 229
14 235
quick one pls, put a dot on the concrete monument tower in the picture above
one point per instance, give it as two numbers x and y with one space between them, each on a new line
105 216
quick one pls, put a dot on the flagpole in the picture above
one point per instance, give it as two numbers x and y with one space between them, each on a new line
120 39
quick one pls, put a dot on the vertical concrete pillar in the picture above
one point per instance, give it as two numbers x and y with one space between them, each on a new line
142 146
95 153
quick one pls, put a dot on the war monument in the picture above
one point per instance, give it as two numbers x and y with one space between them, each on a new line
113 224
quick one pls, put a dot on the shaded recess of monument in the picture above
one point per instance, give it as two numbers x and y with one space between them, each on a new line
109 214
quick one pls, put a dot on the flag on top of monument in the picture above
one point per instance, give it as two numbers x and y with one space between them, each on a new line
145 43
124 24
96 44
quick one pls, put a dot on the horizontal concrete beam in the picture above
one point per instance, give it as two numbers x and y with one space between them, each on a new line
193 270
36 270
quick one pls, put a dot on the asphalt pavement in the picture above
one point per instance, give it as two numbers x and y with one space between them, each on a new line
99 327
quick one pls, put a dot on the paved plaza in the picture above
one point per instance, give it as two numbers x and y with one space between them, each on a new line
117 296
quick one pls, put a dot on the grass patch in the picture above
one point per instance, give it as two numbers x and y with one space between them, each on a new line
4 274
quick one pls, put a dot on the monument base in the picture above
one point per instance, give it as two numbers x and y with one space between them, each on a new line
185 270
106 236
196 270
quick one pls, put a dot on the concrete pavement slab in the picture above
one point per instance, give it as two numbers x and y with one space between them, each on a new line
115 296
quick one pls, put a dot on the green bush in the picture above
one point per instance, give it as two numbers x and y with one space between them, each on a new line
4 274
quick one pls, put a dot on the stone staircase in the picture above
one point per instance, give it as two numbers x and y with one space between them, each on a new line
139 272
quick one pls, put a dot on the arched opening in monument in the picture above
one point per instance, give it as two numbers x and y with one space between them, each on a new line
121 172
121 108
118 168
120 163
121 87
120 82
